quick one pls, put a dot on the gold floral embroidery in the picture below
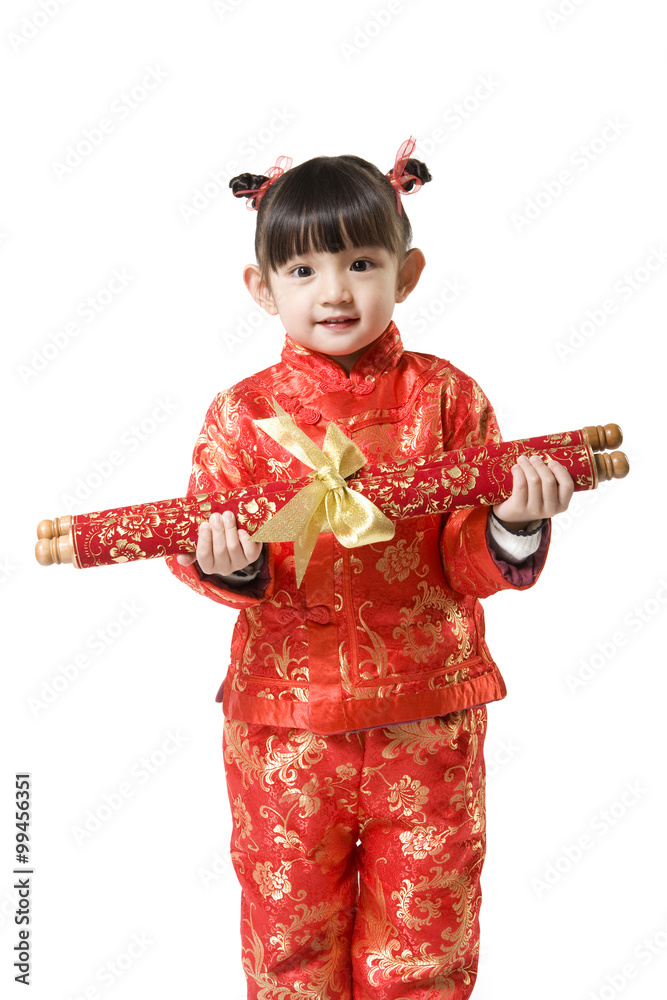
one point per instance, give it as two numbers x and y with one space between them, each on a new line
325 979
423 632
397 561
137 525
469 795
459 885
460 479
281 659
384 960
376 657
346 796
242 821
243 824
422 841
302 750
408 796
254 513
346 771
124 550
420 739
273 884
308 801
253 618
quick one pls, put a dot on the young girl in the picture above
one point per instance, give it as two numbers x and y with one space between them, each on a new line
355 704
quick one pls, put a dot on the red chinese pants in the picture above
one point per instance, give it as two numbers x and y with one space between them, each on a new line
359 857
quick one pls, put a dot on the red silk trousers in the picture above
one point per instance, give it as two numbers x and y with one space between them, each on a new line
359 857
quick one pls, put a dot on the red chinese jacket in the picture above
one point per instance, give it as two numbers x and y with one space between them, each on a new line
378 634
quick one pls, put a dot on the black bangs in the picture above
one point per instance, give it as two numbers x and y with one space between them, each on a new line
326 205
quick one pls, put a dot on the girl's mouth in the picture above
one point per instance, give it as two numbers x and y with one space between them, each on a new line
338 322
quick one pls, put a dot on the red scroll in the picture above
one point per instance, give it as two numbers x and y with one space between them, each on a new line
468 478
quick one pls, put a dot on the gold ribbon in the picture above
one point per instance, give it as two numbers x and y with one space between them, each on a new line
326 503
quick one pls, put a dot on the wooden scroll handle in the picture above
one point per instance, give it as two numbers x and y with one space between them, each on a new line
600 438
54 545
52 529
611 466
53 550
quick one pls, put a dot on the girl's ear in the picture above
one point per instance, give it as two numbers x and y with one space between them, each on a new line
410 273
259 289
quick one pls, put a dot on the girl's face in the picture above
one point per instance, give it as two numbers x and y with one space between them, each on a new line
337 303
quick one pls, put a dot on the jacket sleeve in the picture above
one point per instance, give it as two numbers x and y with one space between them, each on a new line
219 463
469 563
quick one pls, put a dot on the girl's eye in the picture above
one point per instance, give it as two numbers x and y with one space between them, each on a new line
362 265
302 271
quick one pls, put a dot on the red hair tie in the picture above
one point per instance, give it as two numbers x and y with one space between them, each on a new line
397 175
274 173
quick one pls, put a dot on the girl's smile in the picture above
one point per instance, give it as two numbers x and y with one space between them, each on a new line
339 322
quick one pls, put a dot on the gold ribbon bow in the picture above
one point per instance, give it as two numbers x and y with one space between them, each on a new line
326 503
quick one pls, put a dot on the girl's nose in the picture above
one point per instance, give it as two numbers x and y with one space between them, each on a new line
335 289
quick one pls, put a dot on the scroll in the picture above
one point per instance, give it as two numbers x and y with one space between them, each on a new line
357 507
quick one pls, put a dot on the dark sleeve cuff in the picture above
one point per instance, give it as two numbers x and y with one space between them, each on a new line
525 573
254 587
537 525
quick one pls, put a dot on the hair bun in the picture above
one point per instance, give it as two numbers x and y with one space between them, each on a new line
246 185
419 170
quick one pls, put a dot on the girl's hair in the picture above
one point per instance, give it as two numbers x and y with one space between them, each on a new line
328 204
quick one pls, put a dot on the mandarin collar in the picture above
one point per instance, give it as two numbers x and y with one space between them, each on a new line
383 354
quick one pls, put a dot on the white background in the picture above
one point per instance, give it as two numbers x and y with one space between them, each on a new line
502 98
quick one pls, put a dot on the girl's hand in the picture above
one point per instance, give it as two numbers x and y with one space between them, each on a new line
221 547
538 491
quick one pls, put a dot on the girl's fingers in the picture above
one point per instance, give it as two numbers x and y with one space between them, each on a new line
565 483
232 545
506 509
220 561
251 550
519 485
538 491
241 551
186 558
550 487
545 496
205 547
532 500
